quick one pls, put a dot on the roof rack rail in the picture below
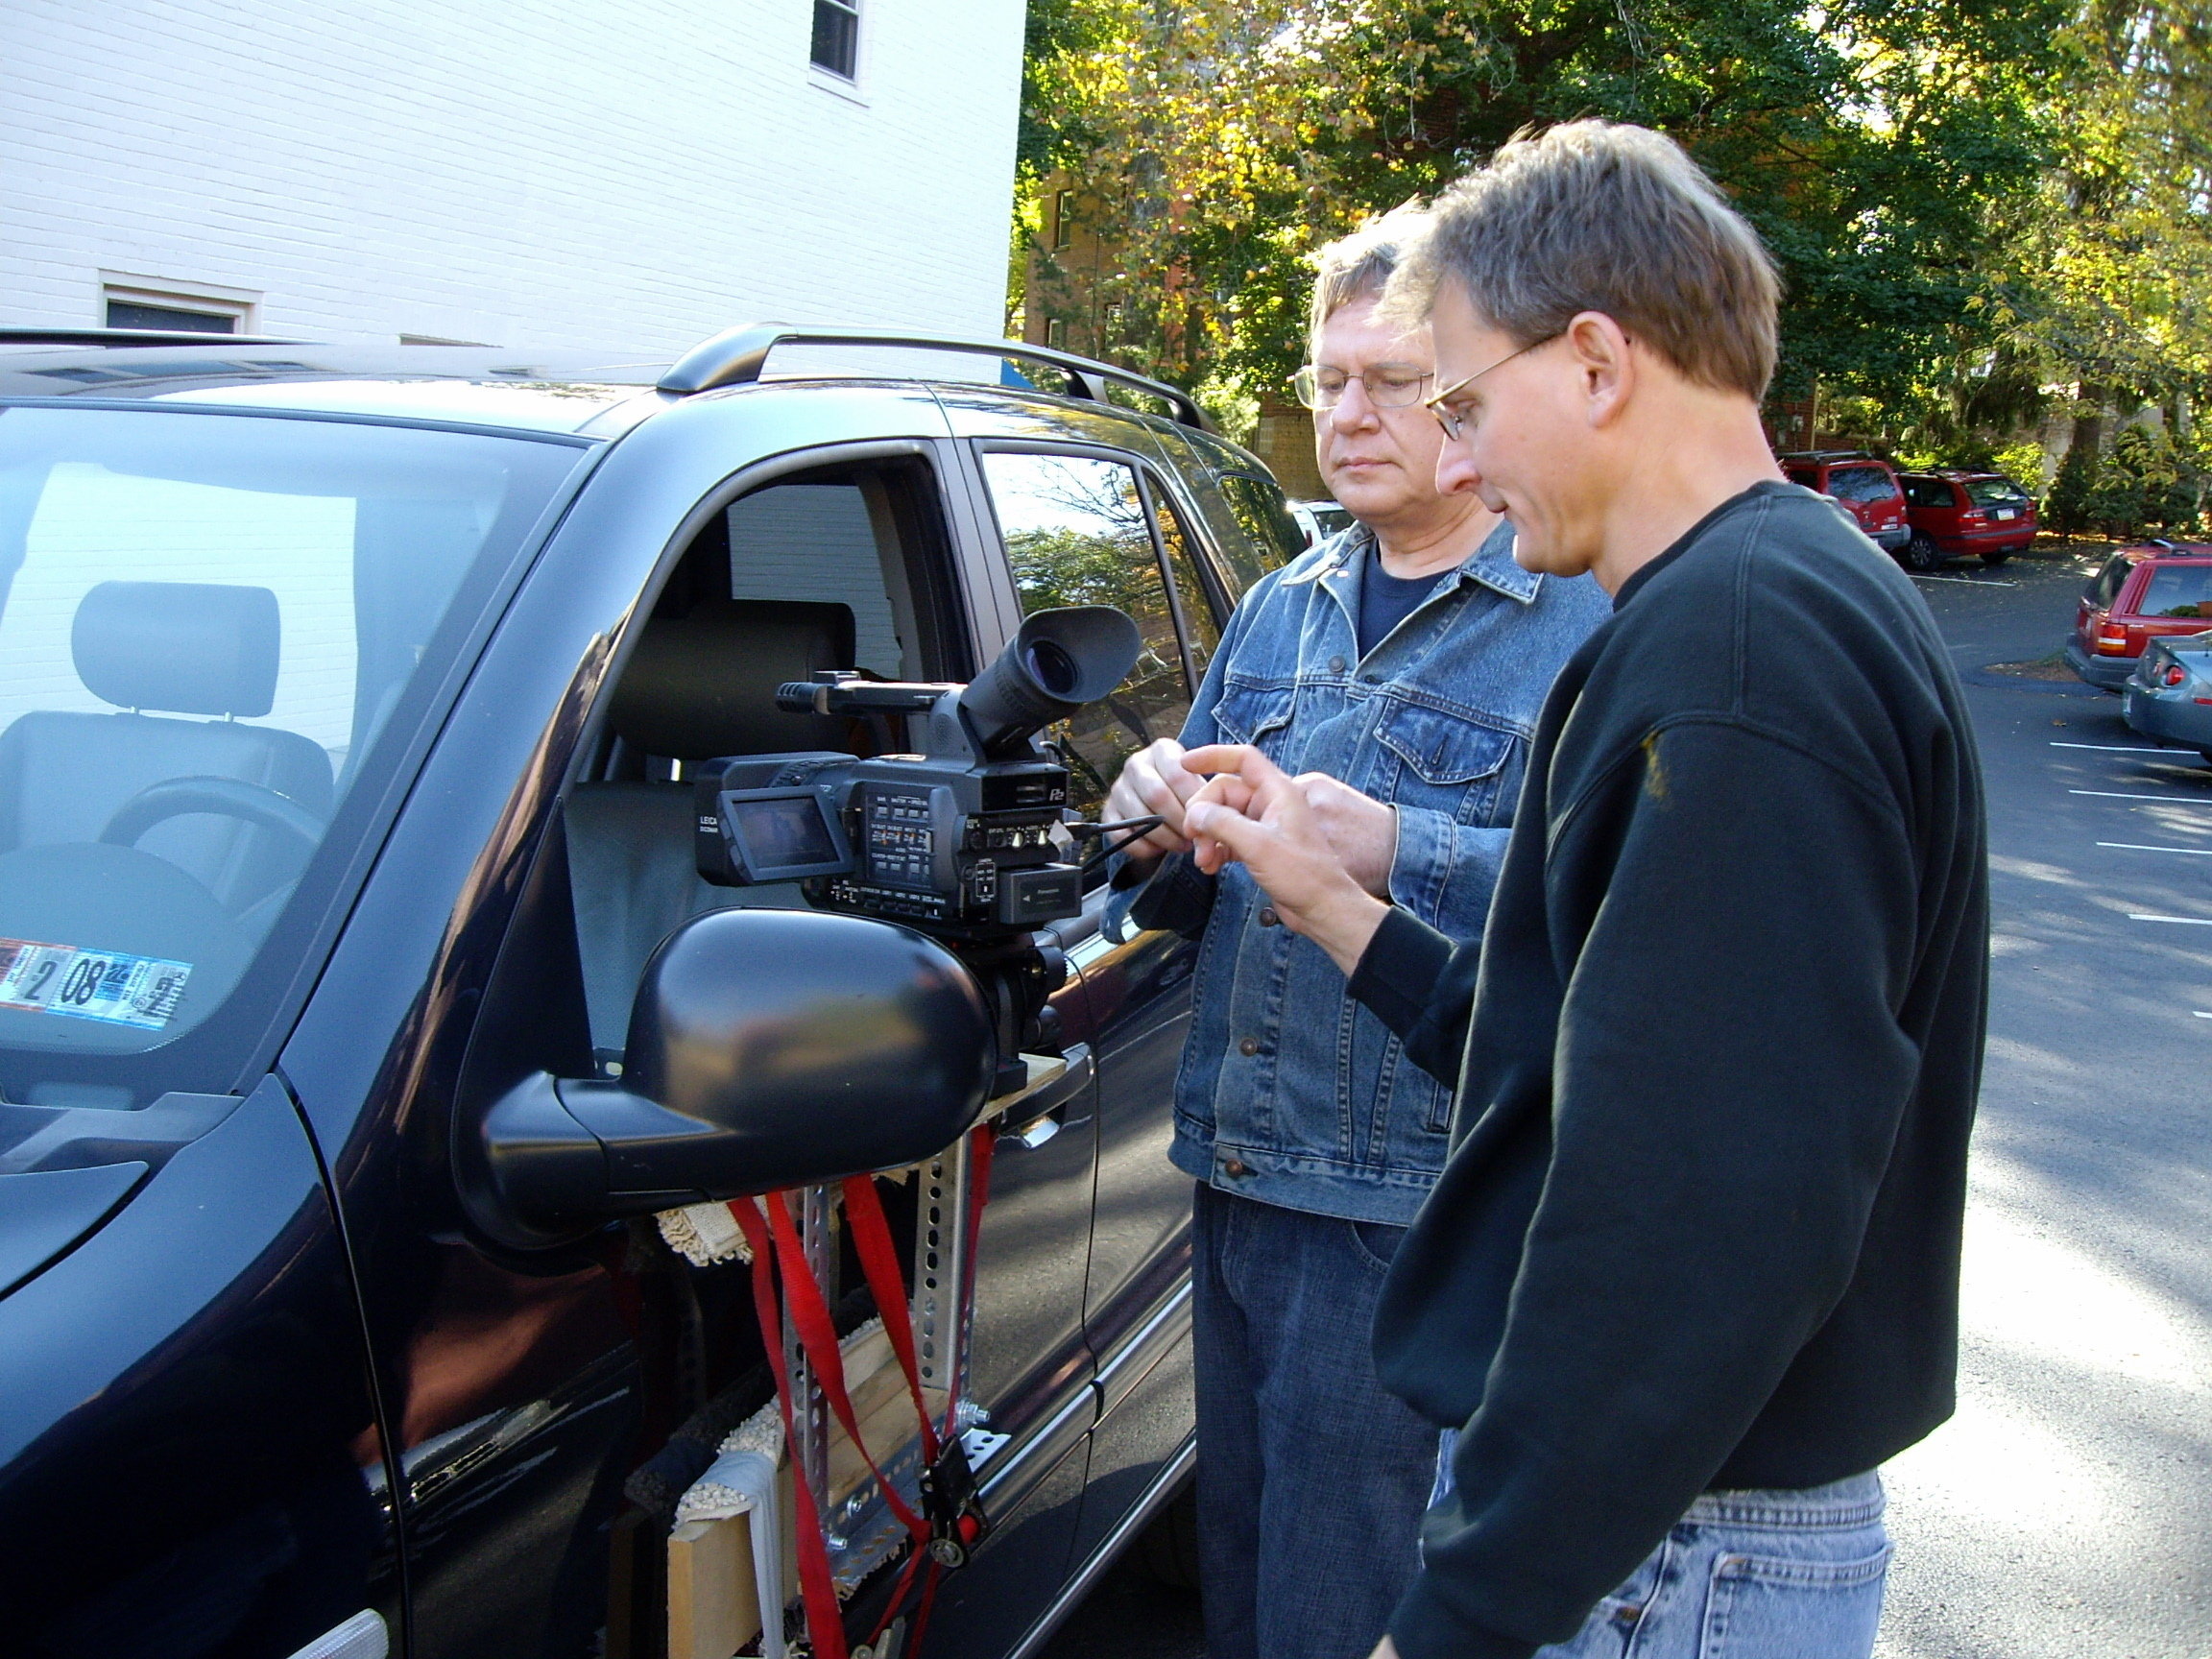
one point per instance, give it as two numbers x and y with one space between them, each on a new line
736 356
33 336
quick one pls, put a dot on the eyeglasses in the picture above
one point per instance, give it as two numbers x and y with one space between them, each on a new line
1385 388
1456 421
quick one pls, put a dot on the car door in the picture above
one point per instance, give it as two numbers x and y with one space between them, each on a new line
1091 525
553 1403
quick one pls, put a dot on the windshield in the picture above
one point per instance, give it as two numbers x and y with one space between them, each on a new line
1994 493
205 620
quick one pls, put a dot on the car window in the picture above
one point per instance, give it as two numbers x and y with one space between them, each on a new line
1808 476
843 567
207 622
1994 493
1929 493
2178 590
2104 586
1265 516
1201 633
1860 484
1076 534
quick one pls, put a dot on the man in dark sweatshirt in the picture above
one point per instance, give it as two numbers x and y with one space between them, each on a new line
1690 1272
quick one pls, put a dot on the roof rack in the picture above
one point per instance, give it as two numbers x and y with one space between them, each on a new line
13 336
736 356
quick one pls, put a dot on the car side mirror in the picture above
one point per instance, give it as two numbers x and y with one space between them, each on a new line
768 1049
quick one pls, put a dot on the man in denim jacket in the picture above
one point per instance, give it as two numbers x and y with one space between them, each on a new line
1398 667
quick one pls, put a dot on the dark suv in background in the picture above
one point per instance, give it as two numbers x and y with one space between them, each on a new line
1965 515
1865 485
348 910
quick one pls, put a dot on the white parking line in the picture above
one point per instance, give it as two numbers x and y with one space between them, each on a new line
2201 1013
1970 581
2116 748
2183 921
2137 847
2168 799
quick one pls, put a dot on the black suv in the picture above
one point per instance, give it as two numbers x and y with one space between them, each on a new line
355 702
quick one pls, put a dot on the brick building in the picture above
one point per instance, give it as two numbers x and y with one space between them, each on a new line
542 172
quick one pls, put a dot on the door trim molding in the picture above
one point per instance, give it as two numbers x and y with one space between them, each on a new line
1155 1498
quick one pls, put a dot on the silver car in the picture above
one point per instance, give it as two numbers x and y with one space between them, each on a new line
2169 694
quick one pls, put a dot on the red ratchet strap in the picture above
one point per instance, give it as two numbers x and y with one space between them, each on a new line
981 1140
777 1253
817 1336
879 1262
817 1590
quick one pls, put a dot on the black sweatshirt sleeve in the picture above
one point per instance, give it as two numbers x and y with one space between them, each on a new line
1734 921
1421 985
1175 895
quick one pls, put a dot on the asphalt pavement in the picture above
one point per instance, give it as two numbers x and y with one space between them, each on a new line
2067 1509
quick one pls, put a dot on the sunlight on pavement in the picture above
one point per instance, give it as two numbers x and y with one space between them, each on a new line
2072 1369
2040 1295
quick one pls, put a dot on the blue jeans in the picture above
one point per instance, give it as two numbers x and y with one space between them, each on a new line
1312 1479
1793 1575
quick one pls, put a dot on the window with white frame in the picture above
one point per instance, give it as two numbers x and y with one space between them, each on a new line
180 307
837 37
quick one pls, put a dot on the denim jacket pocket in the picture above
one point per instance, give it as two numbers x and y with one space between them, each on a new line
1452 764
1255 715
1442 748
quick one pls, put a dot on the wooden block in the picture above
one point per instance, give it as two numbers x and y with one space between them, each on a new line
713 1609
886 1429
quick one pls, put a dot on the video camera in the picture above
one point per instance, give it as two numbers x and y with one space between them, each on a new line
966 840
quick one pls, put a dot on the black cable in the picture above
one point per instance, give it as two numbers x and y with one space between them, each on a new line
1138 829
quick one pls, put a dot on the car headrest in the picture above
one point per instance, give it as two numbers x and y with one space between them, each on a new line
180 647
704 684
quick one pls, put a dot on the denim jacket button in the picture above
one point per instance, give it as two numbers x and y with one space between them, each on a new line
1269 917
1249 1046
1336 664
1235 1171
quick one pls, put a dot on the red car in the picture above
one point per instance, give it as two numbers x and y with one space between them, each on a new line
2149 591
1954 514
1865 485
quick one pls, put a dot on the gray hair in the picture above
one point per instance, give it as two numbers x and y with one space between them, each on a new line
1599 216
1360 266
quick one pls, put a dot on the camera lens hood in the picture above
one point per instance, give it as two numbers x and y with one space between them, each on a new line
1058 661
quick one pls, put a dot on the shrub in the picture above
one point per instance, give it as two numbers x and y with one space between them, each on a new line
2066 508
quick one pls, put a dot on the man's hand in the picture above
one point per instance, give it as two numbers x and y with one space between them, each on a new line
1154 782
1363 831
1255 812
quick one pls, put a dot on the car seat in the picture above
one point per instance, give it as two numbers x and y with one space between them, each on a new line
697 685
159 650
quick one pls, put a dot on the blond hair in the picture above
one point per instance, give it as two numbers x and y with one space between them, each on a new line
1600 216
1360 266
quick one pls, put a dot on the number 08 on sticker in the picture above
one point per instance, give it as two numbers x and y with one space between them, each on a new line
110 985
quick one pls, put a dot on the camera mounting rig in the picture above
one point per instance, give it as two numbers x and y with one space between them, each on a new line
966 840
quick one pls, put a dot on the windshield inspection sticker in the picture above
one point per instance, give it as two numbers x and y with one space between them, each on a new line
109 985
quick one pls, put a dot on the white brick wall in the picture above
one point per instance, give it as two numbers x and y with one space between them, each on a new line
519 172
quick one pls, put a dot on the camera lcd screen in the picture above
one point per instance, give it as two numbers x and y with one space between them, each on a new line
781 837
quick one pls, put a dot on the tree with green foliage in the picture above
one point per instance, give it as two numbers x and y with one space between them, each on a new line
1223 141
1983 211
